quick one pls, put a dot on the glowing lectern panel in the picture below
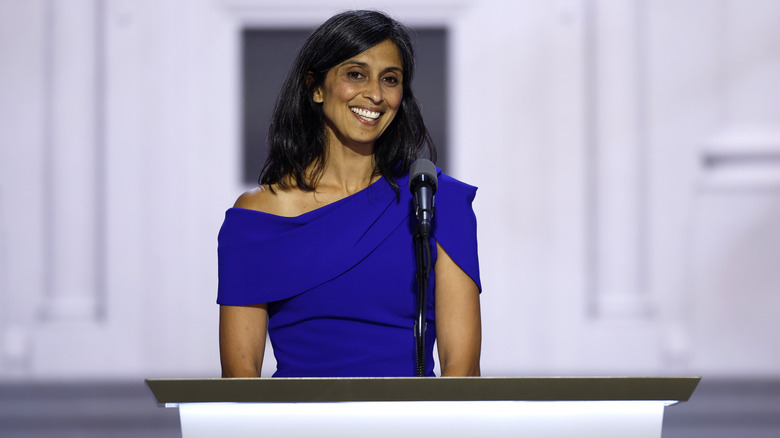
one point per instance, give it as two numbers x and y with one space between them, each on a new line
463 407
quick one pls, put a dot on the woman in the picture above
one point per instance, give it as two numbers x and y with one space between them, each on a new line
321 254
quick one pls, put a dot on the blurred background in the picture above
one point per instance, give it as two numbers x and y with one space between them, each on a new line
627 154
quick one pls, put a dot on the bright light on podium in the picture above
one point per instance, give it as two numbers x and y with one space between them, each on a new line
637 419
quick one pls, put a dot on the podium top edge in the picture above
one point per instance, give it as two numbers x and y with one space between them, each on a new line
358 389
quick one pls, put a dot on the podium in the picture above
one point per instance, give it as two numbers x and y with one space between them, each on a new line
538 407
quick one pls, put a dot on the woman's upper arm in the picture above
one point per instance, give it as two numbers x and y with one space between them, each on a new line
458 322
242 331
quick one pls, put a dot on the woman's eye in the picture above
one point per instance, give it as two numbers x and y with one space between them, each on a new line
392 80
354 75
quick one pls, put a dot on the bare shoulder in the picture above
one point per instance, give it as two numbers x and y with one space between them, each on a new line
260 199
273 200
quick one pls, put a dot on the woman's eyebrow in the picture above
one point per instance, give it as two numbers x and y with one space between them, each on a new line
357 63
365 65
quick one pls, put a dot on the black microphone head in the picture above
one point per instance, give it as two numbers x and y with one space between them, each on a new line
423 172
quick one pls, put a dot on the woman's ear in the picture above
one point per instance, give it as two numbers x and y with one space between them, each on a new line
316 94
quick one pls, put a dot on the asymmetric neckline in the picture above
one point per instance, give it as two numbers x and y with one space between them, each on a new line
319 210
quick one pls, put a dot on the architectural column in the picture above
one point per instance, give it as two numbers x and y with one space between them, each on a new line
615 119
73 159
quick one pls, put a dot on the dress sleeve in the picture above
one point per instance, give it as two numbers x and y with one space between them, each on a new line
241 260
455 224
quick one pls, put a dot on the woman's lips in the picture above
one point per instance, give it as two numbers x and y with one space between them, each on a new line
366 115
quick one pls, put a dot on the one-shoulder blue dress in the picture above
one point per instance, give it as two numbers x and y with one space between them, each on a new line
340 280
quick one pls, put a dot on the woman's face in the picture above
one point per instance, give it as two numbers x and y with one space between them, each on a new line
360 97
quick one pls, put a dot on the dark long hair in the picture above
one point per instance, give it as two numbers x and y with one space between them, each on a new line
297 132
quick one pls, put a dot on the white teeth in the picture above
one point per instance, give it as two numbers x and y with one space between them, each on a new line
366 113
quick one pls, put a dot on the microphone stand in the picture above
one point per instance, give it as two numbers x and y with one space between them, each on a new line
422 250
422 183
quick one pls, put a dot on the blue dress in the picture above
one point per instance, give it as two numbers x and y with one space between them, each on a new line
339 281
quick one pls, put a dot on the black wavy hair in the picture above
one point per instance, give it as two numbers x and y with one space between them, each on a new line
297 132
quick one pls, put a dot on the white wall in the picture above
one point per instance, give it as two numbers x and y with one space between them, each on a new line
626 154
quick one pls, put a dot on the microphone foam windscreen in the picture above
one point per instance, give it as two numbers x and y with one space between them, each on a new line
423 167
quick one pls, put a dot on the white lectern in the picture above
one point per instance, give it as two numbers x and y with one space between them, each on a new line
547 407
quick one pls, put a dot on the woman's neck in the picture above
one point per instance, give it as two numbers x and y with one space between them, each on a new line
347 170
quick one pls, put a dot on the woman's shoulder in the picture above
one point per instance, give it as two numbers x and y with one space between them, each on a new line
267 199
259 198
274 200
450 184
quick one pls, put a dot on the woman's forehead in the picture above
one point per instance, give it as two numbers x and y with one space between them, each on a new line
385 54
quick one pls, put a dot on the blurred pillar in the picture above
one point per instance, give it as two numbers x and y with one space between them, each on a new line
72 158
617 119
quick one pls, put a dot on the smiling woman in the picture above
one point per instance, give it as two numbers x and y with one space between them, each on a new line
297 136
320 255
361 96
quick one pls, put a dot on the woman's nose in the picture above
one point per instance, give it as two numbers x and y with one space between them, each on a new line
373 92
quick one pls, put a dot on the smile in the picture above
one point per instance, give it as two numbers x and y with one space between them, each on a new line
366 114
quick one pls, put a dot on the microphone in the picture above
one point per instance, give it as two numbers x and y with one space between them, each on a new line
423 184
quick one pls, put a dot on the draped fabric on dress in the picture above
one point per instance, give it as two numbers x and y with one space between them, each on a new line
339 281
